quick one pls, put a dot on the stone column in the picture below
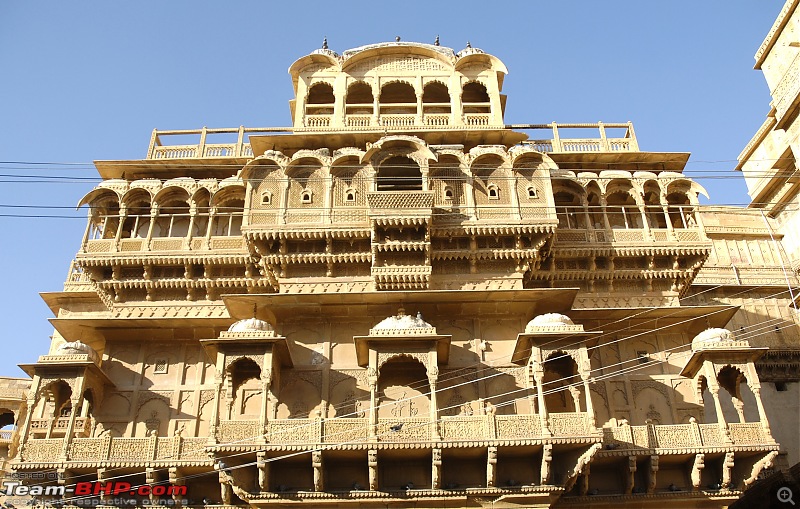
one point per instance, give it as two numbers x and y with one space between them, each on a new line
604 211
436 469
266 382
589 405
491 467
372 463
433 375
262 464
762 415
547 458
372 377
713 388
192 217
538 375
151 226
176 479
212 428
319 476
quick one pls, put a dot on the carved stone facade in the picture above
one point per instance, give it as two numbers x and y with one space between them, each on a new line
402 301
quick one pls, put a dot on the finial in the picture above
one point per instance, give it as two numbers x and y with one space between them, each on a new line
397 38
468 44
436 42
325 43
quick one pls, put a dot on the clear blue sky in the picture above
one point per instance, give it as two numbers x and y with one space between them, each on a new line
83 81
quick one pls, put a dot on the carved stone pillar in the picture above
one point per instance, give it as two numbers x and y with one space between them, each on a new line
436 469
697 471
102 476
538 375
589 405
491 467
762 415
547 459
73 414
727 470
151 481
263 471
319 475
583 481
225 489
713 388
212 427
373 404
604 210
176 479
153 218
651 475
372 463
266 382
630 475
433 375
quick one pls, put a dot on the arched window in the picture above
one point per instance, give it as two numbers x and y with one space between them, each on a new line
475 98
307 196
266 198
448 193
436 100
398 98
320 99
399 173
493 192
569 210
532 193
350 195
680 215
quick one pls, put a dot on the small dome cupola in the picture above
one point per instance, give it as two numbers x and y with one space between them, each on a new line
401 323
251 325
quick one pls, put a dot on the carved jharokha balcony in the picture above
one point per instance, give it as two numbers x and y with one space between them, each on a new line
626 439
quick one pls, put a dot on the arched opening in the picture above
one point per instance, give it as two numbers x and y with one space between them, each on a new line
680 213
398 98
359 105
561 383
622 210
104 218
245 382
320 99
735 406
228 214
137 219
403 390
173 214
475 98
569 210
652 203
436 104
399 173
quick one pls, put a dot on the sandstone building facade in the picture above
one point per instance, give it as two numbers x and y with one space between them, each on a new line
401 300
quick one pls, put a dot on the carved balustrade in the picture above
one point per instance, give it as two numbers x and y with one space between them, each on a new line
345 430
407 429
570 424
678 436
238 431
107 448
628 235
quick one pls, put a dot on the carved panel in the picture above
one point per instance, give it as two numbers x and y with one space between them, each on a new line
345 430
518 426
464 428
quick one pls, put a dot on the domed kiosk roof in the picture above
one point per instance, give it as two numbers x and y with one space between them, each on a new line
402 324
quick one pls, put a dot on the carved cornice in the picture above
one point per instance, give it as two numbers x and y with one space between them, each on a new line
779 366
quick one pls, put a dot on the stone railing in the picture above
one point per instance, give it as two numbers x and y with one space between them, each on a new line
358 120
518 426
462 427
238 431
404 429
569 424
240 148
628 235
345 430
398 120
437 120
117 449
165 244
681 436
316 121
293 431
477 119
